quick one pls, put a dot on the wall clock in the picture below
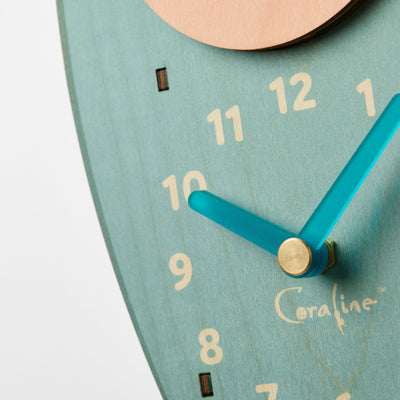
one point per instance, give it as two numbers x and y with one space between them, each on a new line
160 115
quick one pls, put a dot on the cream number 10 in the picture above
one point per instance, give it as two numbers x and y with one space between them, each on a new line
170 183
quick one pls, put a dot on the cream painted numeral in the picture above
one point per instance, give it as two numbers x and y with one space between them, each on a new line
216 118
278 86
300 103
170 183
344 396
234 114
366 88
187 180
211 353
270 388
184 268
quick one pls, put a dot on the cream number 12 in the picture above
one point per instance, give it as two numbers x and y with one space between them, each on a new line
300 103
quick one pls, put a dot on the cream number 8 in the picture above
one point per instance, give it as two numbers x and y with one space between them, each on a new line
211 353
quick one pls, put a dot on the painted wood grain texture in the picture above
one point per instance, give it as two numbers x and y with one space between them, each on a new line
259 333
249 25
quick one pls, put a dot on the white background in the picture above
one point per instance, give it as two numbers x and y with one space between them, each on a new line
65 332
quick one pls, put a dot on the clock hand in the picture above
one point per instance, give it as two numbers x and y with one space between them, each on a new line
250 226
332 206
264 234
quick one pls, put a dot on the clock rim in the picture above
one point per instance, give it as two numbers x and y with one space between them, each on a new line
93 189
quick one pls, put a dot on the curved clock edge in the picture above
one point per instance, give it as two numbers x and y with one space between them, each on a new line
93 188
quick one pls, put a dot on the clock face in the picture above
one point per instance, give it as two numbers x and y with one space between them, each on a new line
159 115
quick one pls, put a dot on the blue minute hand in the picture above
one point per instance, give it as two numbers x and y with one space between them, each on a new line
332 206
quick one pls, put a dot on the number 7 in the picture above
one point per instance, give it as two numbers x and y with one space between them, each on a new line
271 388
344 396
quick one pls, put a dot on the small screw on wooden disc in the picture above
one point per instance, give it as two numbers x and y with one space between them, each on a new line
294 256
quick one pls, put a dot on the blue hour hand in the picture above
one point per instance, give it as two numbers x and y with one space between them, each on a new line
250 226
261 232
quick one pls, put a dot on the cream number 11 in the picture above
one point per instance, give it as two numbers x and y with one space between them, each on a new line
234 114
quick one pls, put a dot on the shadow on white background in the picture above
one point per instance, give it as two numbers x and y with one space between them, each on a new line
65 332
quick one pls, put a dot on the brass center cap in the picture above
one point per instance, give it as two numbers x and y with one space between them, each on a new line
294 256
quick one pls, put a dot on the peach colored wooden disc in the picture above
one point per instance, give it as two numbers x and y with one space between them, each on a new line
249 24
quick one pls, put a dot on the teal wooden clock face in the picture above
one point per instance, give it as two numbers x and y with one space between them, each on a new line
270 132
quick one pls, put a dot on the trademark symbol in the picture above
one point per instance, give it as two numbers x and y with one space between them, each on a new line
381 289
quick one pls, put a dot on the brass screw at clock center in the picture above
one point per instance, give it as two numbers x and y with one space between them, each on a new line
294 256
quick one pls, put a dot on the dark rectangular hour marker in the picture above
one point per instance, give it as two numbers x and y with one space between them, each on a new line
162 79
206 385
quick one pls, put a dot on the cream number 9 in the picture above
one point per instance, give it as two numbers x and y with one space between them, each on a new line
184 269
